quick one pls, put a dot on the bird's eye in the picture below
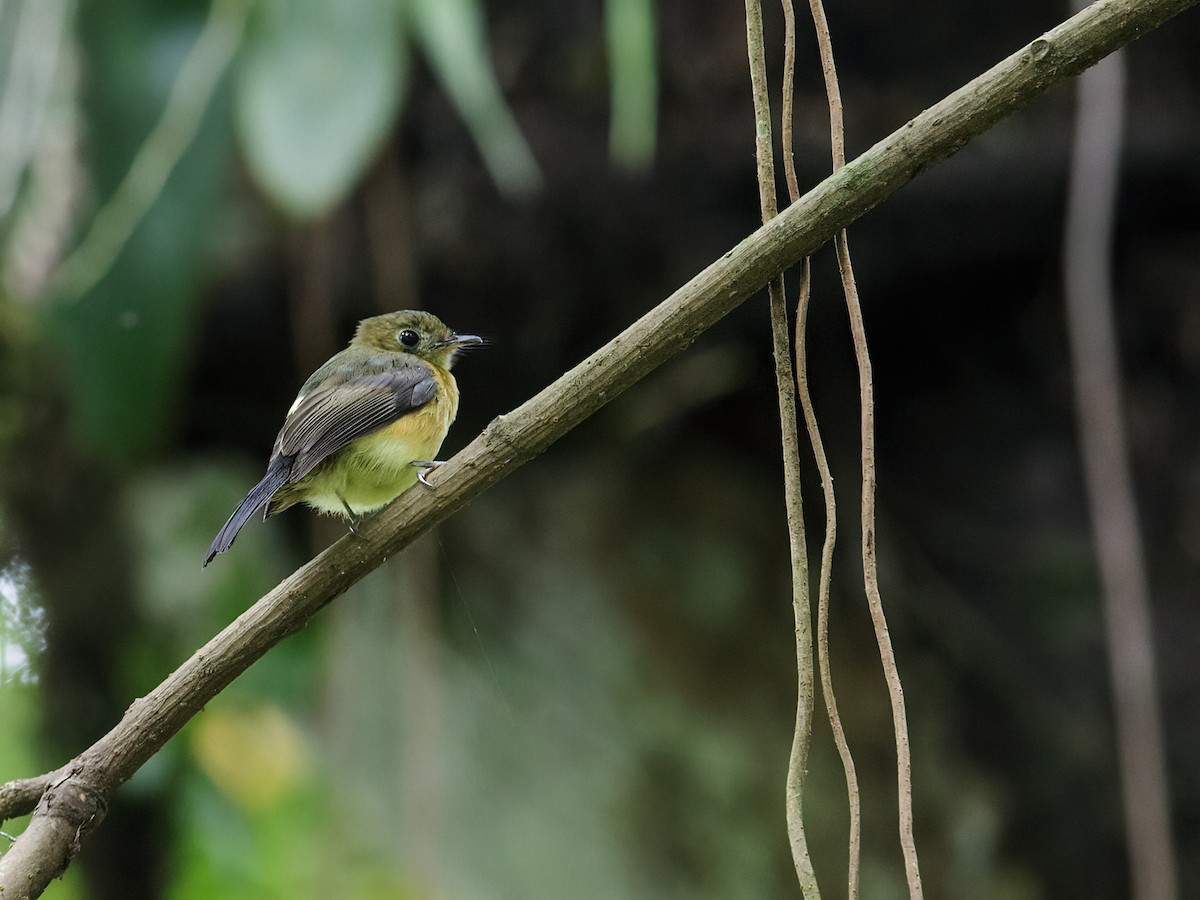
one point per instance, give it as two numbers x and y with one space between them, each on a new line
409 338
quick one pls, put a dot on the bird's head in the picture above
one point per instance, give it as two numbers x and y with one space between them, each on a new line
414 331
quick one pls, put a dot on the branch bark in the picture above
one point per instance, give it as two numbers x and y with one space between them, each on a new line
42 852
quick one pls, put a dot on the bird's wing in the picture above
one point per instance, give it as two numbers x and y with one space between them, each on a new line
328 418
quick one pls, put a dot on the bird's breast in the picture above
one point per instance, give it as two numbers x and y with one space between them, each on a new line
372 470
416 435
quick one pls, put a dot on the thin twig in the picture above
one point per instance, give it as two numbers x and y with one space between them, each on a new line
44 849
19 797
784 381
871 574
1087 287
867 424
853 801
853 798
789 93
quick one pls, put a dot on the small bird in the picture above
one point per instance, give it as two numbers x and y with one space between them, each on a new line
365 426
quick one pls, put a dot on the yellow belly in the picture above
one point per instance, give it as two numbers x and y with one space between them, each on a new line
373 470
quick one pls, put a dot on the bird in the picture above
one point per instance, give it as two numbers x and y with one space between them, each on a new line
364 427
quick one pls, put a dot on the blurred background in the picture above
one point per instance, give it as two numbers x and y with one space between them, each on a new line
583 684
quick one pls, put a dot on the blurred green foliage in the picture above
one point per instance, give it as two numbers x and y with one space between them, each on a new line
318 89
633 76
126 342
582 686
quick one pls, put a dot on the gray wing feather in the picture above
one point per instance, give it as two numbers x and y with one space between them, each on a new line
328 419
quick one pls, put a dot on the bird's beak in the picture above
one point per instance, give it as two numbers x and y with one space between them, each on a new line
461 340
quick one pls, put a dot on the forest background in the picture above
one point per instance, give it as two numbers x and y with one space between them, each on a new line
581 685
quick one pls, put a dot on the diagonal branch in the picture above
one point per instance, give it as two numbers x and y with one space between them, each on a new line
75 804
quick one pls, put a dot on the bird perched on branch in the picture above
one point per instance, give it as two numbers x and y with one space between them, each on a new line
365 426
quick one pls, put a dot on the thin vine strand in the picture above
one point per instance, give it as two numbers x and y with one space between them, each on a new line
853 797
801 601
867 425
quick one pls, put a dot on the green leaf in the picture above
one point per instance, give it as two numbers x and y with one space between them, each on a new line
318 91
124 343
453 35
629 29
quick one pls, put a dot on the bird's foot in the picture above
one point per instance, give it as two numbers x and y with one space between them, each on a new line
355 518
424 467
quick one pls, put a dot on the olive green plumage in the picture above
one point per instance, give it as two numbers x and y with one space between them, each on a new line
360 422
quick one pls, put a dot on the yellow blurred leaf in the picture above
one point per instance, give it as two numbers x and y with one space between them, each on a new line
254 756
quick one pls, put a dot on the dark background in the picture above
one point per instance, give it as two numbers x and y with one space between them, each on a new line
584 684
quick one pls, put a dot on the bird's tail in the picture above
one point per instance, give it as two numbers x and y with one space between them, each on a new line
275 478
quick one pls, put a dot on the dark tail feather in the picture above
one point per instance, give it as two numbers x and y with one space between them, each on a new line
275 478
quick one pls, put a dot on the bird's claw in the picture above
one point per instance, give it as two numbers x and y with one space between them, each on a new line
424 467
355 519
